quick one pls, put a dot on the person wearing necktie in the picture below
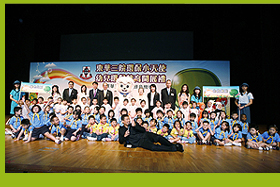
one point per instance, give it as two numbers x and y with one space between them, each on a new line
94 92
168 94
70 93
105 93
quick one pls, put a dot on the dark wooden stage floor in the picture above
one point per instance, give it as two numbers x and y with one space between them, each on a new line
110 157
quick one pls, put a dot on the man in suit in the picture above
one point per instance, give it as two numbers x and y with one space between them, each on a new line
70 93
168 94
105 93
94 92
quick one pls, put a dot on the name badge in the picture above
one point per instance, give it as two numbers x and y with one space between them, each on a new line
172 94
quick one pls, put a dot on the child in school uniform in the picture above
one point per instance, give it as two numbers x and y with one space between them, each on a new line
102 128
167 107
132 109
69 115
145 124
94 104
106 106
160 119
147 116
271 136
24 110
15 123
234 120
113 131
122 112
153 127
235 136
138 113
188 136
143 105
83 104
195 110
245 127
213 122
176 132
254 139
74 127
91 127
102 111
205 116
169 119
41 102
57 128
186 110
194 124
111 115
96 114
221 135
84 116
116 107
180 117
158 107
204 133
164 131
25 130
74 103
36 116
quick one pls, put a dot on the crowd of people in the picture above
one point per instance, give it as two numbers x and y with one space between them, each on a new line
158 121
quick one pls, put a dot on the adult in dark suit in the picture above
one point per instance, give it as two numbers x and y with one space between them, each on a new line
133 135
153 97
70 93
94 92
105 93
168 94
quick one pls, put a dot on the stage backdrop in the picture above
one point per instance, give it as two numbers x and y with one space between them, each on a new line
193 73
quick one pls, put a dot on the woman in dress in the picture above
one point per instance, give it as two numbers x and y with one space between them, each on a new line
83 93
55 93
14 96
244 101
183 95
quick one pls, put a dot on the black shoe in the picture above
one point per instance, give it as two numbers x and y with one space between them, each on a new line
199 142
179 147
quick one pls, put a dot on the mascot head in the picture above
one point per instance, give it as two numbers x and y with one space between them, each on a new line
124 85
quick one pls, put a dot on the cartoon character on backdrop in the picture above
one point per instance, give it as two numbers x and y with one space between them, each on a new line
201 109
124 87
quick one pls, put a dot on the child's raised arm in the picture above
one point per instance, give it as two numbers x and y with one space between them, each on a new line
211 132
25 105
196 130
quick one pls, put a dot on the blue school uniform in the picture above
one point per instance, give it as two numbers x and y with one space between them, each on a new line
182 121
235 136
169 121
203 132
233 122
36 119
97 117
85 119
69 117
194 126
27 131
75 124
270 139
160 124
57 128
147 119
257 138
15 121
204 119
245 127
213 124
220 134
46 119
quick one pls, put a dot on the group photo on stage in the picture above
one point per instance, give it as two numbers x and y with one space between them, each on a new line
136 115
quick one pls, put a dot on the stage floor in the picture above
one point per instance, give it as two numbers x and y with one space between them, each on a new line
111 157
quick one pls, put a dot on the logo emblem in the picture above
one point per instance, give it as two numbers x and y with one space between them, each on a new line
86 73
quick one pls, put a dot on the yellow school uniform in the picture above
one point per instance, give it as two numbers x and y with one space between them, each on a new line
162 133
175 133
92 128
153 130
103 128
114 130
190 132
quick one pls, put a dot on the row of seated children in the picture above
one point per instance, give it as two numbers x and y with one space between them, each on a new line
231 131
